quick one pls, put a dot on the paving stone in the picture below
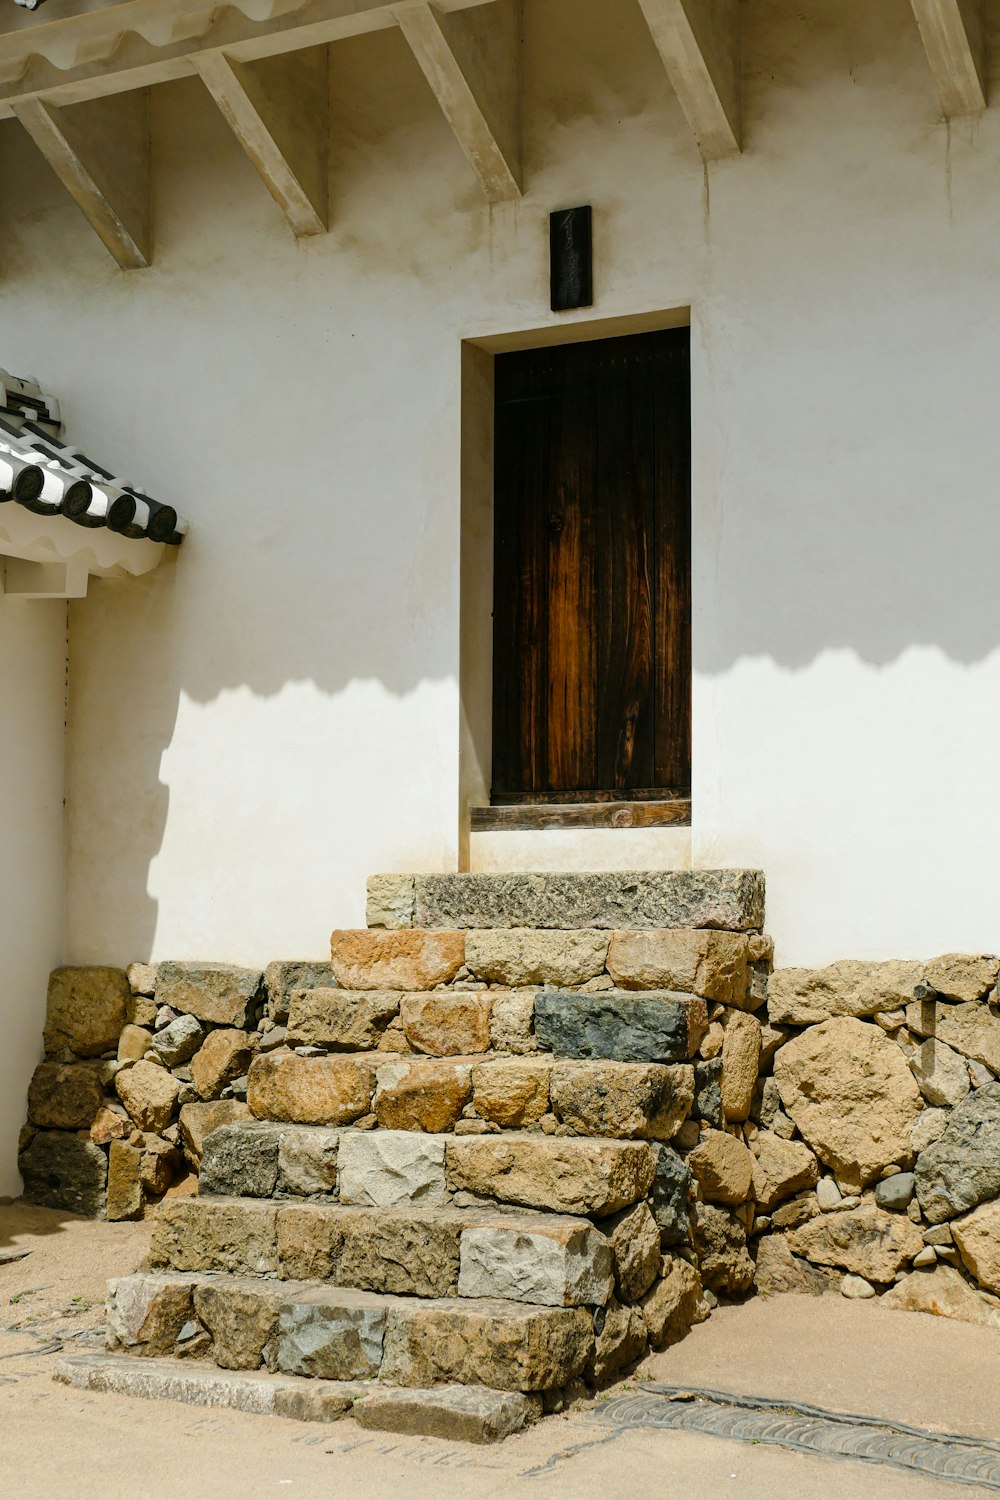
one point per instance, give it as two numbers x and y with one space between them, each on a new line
426 1094
363 960
512 1092
285 976
198 1120
972 1029
671 1188
673 1304
942 1075
85 1010
557 1264
388 1168
740 1064
711 964
782 1168
307 1159
866 1241
456 1413
723 1168
448 1024
412 1252
149 1093
224 1055
525 956
634 1238
215 1234
65 1096
241 1317
240 1161
624 1100
178 1042
503 1345
727 899
803 997
145 1313
332 1335
620 1340
962 1168
962 976
561 1175
343 1020
125 1196
65 1171
220 993
311 1090
621 1025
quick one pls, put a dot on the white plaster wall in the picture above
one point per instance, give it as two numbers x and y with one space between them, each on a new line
32 706
261 724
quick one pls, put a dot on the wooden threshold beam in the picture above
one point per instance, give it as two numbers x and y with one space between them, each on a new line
279 111
472 63
699 42
535 817
953 38
100 151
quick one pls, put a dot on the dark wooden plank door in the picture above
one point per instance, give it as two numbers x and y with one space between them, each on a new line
592 571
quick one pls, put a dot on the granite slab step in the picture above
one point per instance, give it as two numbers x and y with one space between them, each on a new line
342 1334
731 900
543 1259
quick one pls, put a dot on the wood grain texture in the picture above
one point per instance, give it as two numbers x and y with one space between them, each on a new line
529 817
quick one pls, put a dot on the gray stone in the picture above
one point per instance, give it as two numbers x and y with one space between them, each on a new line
240 1161
178 1042
942 1075
334 1335
896 1192
828 1195
220 993
271 1040
286 975
721 1247
928 1127
621 1025
978 1073
386 1168
708 1092
561 1263
857 1288
307 1160
962 1169
669 1194
456 1413
729 899
145 1314
65 1171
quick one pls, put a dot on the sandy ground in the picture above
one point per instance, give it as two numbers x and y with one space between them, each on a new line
849 1356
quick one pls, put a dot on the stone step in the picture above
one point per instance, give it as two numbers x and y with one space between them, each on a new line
587 1095
334 1333
402 1168
547 1259
730 900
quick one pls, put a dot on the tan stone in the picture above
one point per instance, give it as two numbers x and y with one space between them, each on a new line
511 1092
149 1093
712 1045
199 1120
124 1182
109 1126
507 1346
512 1022
65 1096
977 1236
711 964
241 1318
221 994
635 1247
723 1167
559 1174
963 976
740 1064
345 1020
85 1010
944 1293
624 1100
970 1027
447 1025
849 1090
802 997
404 960
146 1313
673 1305
140 1010
866 1241
404 1253
142 979
778 1271
311 1090
422 1095
133 1043
720 1244
621 1339
780 1169
522 955
222 1056
215 1234
160 1165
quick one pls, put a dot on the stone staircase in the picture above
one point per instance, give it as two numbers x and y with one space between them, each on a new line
469 1192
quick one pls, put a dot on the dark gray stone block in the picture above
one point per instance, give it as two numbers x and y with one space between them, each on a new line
962 1168
240 1161
61 1170
708 1092
622 1025
668 1196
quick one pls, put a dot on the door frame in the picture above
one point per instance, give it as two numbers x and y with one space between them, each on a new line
476 537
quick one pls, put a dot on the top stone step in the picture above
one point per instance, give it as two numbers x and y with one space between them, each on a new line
730 900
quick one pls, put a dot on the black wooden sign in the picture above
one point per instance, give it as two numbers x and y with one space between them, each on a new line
572 258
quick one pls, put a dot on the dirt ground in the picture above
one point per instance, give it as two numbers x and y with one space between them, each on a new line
848 1356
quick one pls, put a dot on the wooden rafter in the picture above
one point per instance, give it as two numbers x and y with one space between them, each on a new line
952 34
699 42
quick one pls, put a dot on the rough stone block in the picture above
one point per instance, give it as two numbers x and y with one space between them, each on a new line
285 976
512 1092
149 1093
240 1161
720 1244
197 1121
343 1020
447 1025
560 1174
110 1125
711 964
557 1264
972 1029
142 979
866 1241
334 1335
307 1160
942 1292
626 1100
220 993
962 1168
224 1055
363 960
65 1096
86 1010
144 1313
707 1104
740 1064
134 1043
621 1025
673 1304
779 1271
780 1169
311 1090
524 956
978 1239
942 1075
634 1238
385 1169
215 1234
161 1164
803 997
409 1252
502 1345
426 1094
456 1413
124 1182
241 1317
390 901
723 1168
65 1171
962 976
620 1339
671 1189
178 1042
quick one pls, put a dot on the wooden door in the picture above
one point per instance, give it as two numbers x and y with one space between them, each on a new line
592 571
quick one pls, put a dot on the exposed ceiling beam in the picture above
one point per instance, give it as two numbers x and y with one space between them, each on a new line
472 63
699 41
101 153
279 110
952 34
